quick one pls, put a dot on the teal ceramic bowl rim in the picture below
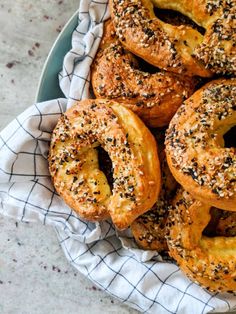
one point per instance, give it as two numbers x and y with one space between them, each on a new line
48 86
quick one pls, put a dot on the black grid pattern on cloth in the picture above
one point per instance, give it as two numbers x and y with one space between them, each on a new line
99 263
26 193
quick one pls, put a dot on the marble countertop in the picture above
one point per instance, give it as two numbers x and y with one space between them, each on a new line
35 276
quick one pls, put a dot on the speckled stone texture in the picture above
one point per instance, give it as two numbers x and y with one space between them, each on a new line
35 277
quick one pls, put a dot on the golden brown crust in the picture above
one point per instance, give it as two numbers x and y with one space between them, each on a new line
74 168
149 229
195 144
180 49
210 262
115 74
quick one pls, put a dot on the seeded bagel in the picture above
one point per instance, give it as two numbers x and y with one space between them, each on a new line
154 97
195 144
74 166
209 261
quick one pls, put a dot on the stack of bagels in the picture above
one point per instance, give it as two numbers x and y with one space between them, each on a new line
163 118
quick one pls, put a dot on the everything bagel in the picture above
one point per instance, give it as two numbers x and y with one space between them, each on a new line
115 74
210 261
179 49
74 167
195 144
218 47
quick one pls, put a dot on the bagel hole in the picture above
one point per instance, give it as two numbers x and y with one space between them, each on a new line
219 224
105 165
176 18
146 67
230 138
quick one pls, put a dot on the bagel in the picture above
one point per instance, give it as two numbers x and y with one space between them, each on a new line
218 47
195 145
115 74
74 167
209 261
180 49
149 229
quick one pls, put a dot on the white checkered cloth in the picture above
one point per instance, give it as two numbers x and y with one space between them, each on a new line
141 279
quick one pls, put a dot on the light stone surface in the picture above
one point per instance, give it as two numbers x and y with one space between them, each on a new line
35 277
